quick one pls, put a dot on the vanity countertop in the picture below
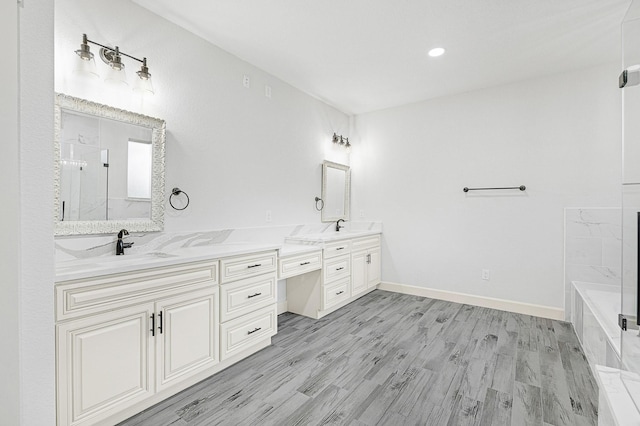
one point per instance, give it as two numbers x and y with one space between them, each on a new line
327 237
107 265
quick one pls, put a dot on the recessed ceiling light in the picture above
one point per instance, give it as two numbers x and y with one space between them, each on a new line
438 51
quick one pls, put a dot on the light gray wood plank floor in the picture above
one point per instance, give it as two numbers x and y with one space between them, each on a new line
393 359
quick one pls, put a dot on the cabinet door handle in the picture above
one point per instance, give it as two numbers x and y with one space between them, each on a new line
160 321
368 258
340 292
305 263
254 330
340 268
253 295
254 266
153 324
340 248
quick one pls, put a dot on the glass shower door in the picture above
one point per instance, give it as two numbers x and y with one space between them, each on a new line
630 84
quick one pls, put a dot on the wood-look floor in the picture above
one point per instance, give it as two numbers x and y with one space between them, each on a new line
393 359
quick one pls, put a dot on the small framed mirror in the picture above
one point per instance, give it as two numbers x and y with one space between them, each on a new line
108 169
336 191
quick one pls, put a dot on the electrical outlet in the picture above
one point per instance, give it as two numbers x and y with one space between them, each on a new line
246 81
486 274
361 213
267 91
267 216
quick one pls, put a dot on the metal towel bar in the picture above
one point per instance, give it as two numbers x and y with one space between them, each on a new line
521 188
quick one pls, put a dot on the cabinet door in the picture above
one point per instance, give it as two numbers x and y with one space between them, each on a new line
105 364
359 268
373 271
186 335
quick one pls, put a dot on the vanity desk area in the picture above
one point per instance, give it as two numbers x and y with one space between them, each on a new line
350 269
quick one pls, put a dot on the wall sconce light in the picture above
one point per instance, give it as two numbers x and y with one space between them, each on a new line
112 56
342 141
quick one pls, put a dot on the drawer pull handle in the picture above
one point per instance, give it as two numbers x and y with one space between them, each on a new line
253 295
340 292
254 330
305 263
340 248
340 268
254 266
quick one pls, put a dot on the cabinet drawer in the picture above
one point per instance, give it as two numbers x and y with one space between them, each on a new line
335 293
94 295
245 296
241 333
235 268
364 243
336 268
297 265
337 248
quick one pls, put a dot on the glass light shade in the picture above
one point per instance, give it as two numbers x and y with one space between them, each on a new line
86 68
114 77
144 86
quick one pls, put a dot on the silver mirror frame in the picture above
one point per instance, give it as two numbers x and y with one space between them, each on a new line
158 126
325 216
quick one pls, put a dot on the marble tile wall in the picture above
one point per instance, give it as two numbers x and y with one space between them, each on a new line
592 248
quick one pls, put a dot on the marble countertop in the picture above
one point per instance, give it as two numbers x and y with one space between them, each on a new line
106 265
326 237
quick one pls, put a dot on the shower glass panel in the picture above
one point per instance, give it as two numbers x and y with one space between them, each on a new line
630 79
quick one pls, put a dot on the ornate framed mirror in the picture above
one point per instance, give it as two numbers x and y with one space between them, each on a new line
108 169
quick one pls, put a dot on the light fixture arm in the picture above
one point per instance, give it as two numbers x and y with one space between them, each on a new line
86 40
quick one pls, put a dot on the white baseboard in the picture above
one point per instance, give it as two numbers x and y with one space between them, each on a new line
282 307
470 299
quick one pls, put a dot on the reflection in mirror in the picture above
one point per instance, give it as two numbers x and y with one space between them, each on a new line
336 184
109 169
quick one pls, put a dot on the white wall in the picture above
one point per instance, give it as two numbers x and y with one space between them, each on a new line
559 136
37 346
10 219
235 152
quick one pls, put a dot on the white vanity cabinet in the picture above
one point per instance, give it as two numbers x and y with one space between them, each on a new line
124 338
104 363
365 263
248 301
350 269
186 335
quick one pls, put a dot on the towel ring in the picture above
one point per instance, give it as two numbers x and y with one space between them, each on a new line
177 191
321 205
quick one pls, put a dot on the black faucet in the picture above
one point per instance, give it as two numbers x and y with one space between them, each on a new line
121 245
338 225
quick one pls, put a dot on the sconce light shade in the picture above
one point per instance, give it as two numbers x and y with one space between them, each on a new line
116 77
85 65
86 68
143 83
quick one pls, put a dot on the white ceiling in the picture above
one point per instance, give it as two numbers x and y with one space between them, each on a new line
365 55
